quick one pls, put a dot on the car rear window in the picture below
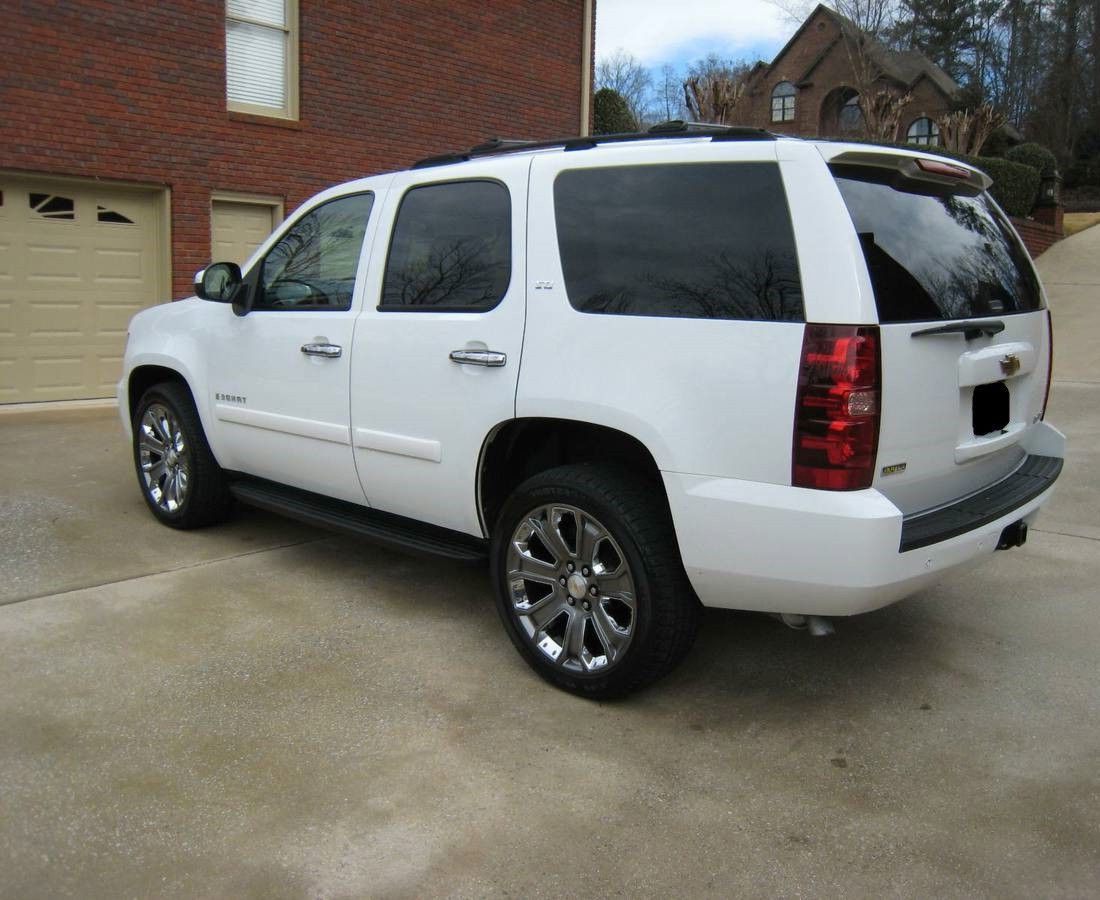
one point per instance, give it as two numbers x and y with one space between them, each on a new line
699 240
934 255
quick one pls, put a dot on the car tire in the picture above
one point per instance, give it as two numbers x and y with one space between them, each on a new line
179 478
589 581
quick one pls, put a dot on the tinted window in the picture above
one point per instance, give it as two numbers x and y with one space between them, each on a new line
936 255
314 264
710 241
451 248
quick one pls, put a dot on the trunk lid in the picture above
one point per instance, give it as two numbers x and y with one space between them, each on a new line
963 327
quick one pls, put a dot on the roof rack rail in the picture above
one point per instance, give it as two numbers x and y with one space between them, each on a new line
671 129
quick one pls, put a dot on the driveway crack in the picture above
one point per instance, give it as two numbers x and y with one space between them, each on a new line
183 568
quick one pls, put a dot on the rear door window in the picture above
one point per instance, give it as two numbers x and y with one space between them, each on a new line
699 240
451 249
934 255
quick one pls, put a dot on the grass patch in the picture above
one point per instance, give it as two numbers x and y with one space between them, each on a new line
1079 221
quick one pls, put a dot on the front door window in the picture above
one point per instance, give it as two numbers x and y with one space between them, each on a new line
313 266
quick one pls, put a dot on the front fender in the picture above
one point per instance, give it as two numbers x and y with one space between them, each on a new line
171 337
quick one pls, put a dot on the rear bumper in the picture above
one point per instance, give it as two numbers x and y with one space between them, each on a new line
774 548
1034 477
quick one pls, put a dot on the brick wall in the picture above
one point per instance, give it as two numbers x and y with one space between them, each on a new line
1037 235
136 91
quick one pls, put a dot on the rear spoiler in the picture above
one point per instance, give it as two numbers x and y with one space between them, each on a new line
948 173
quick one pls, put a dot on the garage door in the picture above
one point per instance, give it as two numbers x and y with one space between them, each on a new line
238 228
77 260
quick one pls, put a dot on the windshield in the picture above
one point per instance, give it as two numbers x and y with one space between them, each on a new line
934 255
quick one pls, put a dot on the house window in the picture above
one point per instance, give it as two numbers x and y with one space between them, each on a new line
923 131
261 57
783 102
851 116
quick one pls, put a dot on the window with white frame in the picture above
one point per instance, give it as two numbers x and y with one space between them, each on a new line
261 57
783 102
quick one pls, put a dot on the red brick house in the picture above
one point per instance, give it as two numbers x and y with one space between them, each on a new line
141 139
811 87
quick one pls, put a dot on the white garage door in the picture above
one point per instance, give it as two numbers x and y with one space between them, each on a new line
239 227
77 260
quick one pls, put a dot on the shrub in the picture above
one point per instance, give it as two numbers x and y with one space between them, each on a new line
610 114
1036 156
1015 185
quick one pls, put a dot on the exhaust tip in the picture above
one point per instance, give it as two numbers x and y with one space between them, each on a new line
818 626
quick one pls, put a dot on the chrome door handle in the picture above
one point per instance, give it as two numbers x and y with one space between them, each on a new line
493 358
329 351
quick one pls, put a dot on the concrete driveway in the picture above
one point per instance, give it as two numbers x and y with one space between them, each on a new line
263 710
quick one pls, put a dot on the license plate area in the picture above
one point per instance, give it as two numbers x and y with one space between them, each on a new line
991 406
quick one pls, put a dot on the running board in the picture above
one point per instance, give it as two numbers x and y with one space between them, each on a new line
385 529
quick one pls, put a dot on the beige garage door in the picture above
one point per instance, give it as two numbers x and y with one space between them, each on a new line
77 260
239 227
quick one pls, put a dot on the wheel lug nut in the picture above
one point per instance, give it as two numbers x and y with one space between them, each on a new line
584 571
586 605
561 581
593 590
569 566
571 601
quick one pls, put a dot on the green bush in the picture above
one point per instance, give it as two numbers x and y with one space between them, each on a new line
1015 185
610 114
1035 155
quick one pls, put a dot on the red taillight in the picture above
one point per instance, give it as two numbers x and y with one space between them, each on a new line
1050 364
837 411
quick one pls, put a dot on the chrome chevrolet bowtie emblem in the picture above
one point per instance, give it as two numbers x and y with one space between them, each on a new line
1010 364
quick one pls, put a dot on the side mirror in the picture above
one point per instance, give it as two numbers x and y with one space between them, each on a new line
219 282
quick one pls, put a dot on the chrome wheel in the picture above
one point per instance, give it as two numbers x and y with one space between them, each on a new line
164 458
571 588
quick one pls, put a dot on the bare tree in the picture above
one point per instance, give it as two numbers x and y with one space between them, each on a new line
669 99
714 90
713 98
965 130
875 17
624 74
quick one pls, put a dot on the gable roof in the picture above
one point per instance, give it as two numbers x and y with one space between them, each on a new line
906 67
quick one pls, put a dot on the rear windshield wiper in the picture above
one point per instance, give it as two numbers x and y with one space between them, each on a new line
969 330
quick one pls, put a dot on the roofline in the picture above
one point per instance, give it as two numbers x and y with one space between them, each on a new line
798 33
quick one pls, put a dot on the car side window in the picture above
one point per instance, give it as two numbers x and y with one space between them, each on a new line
451 249
688 240
313 265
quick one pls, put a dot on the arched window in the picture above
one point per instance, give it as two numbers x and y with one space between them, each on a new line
783 102
923 131
851 116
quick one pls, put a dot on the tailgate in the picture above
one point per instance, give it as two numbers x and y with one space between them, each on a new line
965 335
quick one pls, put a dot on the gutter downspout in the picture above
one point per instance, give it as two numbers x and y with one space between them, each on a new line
586 67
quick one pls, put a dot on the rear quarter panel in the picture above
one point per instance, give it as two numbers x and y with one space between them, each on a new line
712 397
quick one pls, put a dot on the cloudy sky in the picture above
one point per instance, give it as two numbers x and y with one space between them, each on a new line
679 31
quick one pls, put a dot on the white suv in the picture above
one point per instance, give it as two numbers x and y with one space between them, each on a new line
637 373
